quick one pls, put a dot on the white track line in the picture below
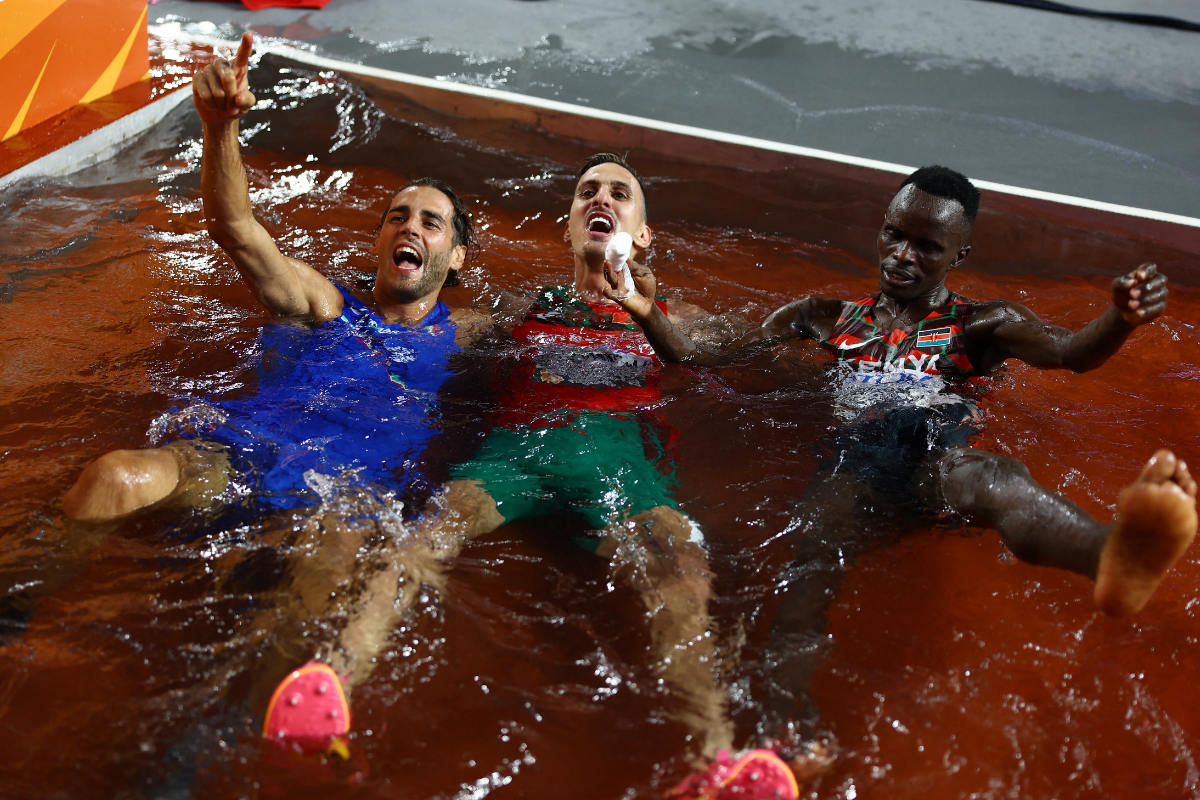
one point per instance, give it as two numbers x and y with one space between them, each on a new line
101 143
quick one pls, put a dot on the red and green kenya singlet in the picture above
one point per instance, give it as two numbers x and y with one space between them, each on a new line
581 356
934 346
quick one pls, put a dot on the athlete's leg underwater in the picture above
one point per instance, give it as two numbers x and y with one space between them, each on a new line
915 332
357 573
652 547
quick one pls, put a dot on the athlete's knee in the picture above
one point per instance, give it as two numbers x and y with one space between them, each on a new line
973 478
120 482
666 528
474 508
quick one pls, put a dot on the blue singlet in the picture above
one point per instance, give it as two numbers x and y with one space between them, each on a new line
351 394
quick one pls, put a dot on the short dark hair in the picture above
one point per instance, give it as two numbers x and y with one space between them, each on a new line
612 158
945 182
464 230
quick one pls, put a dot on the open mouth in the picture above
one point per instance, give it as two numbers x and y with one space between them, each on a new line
600 222
408 257
898 277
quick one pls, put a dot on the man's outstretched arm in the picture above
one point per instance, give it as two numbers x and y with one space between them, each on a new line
807 318
1015 332
285 286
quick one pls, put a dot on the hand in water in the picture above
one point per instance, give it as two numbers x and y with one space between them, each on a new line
221 91
638 303
1140 296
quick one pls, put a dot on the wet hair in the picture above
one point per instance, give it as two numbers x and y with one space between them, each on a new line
612 158
945 182
464 231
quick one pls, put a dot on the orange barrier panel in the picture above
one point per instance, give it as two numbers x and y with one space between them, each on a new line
57 53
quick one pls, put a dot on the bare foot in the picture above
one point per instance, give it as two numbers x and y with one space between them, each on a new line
1156 521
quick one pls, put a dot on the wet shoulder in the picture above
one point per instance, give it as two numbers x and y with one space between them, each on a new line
983 318
470 324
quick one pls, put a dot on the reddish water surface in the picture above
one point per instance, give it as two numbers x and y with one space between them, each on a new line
952 670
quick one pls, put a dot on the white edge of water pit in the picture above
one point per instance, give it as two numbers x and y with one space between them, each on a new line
102 143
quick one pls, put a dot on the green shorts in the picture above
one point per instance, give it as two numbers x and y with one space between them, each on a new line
603 466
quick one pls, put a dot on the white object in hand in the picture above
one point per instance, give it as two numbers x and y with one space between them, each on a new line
617 254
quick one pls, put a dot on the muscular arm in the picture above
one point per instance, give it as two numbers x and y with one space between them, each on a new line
1009 330
285 286
812 317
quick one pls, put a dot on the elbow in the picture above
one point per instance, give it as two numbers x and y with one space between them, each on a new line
221 233
1080 366
699 358
667 357
228 235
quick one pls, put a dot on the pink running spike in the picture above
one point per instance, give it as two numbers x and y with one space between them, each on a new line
304 715
754 775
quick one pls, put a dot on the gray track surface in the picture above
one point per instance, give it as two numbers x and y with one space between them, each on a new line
1103 110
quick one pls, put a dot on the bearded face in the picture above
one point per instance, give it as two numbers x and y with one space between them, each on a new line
415 246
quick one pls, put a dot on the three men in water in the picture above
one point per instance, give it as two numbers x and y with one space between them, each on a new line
587 375
912 349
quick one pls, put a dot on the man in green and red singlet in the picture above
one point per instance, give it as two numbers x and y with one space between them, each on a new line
577 434
909 354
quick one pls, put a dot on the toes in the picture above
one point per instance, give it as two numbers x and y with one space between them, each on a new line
1160 467
1184 479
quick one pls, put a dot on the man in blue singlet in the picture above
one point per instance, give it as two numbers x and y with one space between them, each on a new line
908 354
366 353
346 395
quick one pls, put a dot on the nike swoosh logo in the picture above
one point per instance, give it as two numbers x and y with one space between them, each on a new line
863 343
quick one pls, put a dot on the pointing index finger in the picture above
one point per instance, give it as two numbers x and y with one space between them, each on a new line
242 62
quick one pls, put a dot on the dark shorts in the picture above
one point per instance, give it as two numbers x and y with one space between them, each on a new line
888 447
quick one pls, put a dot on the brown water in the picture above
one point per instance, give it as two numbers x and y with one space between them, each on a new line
952 669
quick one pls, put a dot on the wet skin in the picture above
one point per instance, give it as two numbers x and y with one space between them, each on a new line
923 238
414 249
406 285
335 568
607 201
650 551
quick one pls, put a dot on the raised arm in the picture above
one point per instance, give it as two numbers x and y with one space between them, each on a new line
1013 331
800 319
285 286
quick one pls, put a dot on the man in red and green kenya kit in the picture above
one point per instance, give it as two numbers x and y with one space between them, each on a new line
908 354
